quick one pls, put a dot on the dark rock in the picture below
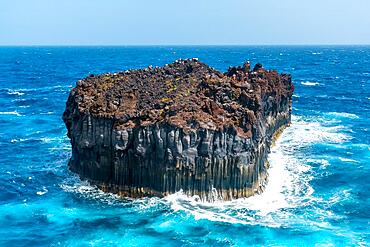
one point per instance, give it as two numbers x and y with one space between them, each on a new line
257 67
246 67
184 126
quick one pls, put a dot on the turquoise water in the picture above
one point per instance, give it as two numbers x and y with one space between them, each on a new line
318 191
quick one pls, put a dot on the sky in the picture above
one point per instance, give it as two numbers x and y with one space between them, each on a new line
184 22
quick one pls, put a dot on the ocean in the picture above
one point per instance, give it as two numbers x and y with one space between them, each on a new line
318 192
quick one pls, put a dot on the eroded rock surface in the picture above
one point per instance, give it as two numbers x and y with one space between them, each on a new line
184 126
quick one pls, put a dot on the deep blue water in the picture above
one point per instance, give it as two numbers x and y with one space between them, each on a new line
319 187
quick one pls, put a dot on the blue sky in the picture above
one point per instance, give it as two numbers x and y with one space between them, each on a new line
193 22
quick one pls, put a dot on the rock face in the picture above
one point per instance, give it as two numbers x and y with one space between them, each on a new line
184 126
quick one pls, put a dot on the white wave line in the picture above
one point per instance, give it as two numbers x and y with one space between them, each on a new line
11 113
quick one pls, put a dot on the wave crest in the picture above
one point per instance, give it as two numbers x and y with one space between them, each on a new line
310 83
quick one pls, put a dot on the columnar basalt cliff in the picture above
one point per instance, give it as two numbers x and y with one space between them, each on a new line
184 126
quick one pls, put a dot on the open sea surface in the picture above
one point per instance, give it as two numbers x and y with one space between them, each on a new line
318 192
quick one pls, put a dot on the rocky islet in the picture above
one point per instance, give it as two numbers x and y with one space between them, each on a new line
184 126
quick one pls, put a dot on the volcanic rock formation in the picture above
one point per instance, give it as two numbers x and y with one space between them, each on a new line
184 126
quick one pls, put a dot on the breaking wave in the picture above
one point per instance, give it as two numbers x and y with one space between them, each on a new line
41 139
11 113
14 92
343 115
288 186
310 83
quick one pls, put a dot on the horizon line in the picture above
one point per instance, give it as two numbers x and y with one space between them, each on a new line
174 45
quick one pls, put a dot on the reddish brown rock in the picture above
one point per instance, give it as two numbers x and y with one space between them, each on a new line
184 126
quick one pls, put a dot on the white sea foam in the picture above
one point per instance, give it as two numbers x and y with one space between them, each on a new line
323 163
310 83
13 92
344 115
304 133
22 91
19 100
339 196
48 139
18 140
42 192
347 160
86 190
11 113
288 184
41 139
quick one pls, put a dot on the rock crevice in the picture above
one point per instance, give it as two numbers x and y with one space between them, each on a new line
184 126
